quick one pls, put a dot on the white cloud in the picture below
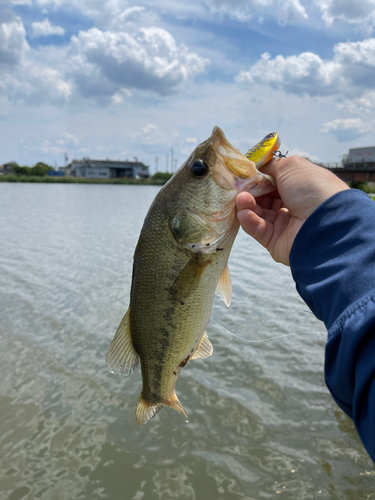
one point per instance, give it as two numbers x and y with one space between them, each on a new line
12 41
357 61
45 28
304 154
363 104
99 64
353 12
351 69
346 129
151 134
103 62
120 96
34 83
131 14
285 11
67 139
306 73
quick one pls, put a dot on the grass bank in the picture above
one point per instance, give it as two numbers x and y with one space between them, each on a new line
80 180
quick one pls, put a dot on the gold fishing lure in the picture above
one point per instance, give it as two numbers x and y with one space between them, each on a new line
262 152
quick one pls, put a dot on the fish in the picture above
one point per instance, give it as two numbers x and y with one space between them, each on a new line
180 262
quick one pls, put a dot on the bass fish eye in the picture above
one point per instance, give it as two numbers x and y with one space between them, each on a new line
199 168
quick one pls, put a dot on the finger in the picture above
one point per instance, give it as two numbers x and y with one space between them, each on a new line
269 202
277 203
264 206
267 214
245 201
273 167
264 201
257 227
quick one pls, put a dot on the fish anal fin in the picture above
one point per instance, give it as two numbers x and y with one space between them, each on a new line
189 278
204 349
224 287
146 411
122 357
174 403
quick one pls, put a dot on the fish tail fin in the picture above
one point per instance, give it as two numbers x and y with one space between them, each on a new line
174 403
146 411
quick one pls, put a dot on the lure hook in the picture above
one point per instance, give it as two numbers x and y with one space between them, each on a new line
278 154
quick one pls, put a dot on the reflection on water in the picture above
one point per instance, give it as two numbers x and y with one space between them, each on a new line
261 422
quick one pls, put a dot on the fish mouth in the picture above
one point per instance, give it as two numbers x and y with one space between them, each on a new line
234 160
232 169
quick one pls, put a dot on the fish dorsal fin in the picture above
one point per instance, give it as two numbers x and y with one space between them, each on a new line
224 287
122 357
204 349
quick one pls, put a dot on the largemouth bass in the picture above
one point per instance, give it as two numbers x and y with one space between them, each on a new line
179 262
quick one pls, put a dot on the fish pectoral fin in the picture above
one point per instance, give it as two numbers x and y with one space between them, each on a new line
204 349
224 287
122 357
188 280
146 411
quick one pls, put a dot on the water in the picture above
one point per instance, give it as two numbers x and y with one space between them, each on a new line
261 421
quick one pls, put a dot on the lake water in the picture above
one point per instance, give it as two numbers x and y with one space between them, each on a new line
261 421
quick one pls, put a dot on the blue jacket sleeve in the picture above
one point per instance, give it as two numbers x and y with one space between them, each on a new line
333 264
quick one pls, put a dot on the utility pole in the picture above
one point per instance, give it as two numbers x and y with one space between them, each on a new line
172 162
156 163
166 162
175 164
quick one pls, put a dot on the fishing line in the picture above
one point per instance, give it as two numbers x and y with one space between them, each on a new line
263 340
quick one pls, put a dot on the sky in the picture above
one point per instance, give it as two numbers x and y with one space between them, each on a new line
124 79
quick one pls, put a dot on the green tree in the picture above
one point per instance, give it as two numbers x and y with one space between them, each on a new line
18 170
164 176
40 169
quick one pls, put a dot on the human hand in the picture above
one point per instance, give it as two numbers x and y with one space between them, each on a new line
275 219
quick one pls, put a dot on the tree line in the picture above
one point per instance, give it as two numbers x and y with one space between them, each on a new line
40 169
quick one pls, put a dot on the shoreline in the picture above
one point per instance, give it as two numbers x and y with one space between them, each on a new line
80 180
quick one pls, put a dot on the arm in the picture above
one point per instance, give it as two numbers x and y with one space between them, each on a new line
333 264
331 252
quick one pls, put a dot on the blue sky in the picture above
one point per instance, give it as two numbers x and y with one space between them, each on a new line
121 79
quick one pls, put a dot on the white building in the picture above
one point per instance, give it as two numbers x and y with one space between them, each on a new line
106 169
6 168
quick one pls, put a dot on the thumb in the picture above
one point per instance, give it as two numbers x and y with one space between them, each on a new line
273 167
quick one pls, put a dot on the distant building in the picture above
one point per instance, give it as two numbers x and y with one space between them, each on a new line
358 165
361 155
6 168
106 169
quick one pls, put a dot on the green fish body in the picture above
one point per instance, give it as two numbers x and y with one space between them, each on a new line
179 263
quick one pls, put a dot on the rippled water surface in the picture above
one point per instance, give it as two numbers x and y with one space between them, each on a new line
262 423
